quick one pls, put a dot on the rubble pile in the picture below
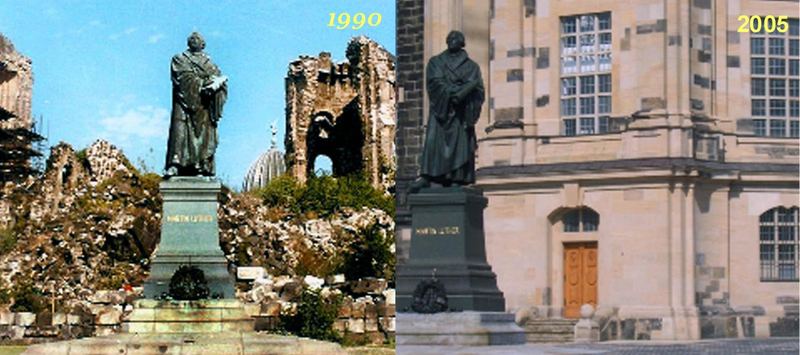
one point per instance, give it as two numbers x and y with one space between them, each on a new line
254 234
92 221
76 243
367 307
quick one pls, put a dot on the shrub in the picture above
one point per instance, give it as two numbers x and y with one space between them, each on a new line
150 181
314 262
315 316
324 195
28 298
8 239
370 255
281 191
112 278
5 294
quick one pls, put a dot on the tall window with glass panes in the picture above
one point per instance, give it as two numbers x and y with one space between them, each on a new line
775 82
585 73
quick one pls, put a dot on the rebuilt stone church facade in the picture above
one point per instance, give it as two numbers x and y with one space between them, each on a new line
638 156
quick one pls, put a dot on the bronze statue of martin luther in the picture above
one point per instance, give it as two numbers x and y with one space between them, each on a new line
199 91
456 94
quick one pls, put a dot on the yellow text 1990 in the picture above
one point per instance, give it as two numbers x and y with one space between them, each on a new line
358 20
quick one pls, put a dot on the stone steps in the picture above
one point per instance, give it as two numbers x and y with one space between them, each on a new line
550 330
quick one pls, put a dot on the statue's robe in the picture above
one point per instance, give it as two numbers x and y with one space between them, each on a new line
195 113
448 154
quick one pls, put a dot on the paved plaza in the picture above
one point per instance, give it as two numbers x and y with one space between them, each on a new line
705 347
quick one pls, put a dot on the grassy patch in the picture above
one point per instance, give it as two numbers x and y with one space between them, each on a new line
12 349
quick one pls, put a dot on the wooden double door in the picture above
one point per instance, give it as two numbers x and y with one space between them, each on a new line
580 277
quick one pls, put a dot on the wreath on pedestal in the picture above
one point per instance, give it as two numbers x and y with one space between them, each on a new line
188 284
429 297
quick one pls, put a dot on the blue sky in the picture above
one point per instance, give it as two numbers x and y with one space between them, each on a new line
101 68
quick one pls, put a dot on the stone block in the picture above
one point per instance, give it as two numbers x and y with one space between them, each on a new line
340 325
58 319
16 332
271 309
24 319
337 279
313 282
101 297
370 310
141 315
389 296
252 309
117 297
104 330
359 308
250 272
266 323
44 319
371 324
6 318
108 316
387 323
73 319
370 286
391 310
355 326
187 313
346 310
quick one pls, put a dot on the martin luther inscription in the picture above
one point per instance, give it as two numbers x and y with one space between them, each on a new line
183 218
452 230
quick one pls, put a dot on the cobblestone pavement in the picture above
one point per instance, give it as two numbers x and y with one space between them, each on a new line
771 346
726 346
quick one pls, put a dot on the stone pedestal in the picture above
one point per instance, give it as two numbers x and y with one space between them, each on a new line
587 330
447 236
189 236
458 328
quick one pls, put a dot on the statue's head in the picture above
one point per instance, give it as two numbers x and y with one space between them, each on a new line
455 41
196 42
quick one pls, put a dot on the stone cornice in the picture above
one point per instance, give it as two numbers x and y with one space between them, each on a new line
675 164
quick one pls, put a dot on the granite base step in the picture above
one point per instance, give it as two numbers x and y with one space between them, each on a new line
205 316
225 343
550 330
458 328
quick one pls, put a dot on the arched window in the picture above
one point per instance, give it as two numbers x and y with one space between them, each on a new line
582 219
778 250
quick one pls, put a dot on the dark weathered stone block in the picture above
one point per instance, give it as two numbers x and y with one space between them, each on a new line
543 60
733 61
784 327
508 114
542 101
702 4
514 75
